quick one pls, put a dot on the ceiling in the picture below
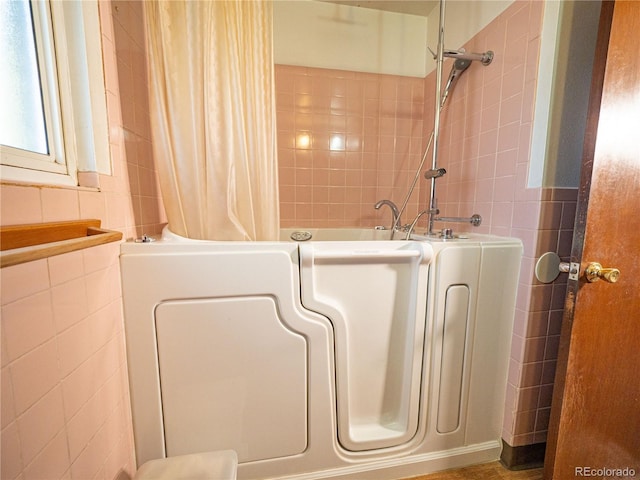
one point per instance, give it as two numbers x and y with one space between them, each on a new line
411 7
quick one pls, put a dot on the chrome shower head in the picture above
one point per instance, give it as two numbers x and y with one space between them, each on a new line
459 66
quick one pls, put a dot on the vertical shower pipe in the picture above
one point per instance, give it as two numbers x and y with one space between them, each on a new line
436 119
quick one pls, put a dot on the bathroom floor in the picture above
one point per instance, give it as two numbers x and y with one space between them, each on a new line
489 471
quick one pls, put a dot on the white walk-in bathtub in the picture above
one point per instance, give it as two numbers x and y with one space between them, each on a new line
344 356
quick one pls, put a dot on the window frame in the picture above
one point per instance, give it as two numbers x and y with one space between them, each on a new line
69 44
55 161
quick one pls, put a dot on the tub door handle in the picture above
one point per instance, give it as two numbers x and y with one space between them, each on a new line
365 254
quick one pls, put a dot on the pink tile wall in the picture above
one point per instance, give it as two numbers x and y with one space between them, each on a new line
127 86
345 141
65 402
537 324
486 127
65 399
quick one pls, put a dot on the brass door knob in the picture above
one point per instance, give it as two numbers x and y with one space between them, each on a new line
595 272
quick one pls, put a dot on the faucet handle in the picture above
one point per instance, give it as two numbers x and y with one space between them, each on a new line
446 233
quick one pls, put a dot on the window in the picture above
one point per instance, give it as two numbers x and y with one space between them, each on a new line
30 119
53 120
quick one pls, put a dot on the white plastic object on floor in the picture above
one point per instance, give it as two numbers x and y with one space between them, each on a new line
219 465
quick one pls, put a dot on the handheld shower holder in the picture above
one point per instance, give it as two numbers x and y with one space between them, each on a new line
485 58
434 173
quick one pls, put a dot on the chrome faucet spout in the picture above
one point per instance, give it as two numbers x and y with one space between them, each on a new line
414 223
394 211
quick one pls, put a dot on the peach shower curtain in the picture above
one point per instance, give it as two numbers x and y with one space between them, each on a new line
212 103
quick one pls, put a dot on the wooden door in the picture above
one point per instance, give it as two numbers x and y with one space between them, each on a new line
595 420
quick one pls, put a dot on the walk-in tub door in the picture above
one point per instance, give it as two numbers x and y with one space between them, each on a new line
375 295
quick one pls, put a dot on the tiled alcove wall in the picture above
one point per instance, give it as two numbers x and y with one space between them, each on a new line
485 147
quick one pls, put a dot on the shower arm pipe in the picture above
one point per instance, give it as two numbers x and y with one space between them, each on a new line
411 188
438 108
439 63
432 209
485 58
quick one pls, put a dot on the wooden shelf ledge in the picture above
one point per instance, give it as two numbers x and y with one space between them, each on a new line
25 243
